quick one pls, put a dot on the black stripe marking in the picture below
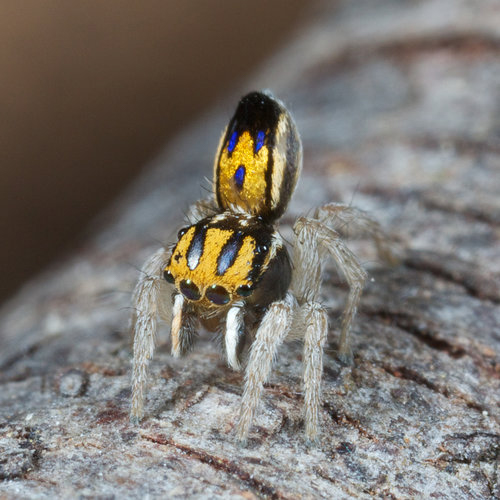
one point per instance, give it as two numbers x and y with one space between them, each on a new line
269 179
195 250
229 252
263 247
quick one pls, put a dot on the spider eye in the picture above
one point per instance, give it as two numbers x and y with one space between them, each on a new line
218 295
169 277
189 290
182 232
244 290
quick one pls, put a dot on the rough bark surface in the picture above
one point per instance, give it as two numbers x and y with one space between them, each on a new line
398 103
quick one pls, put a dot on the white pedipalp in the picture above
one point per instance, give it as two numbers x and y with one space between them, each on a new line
234 330
176 324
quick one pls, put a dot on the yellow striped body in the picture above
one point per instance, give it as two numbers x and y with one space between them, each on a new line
237 255
259 159
249 193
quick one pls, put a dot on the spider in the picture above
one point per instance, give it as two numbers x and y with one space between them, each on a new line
230 266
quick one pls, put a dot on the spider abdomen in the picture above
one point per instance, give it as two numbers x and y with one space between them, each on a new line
259 158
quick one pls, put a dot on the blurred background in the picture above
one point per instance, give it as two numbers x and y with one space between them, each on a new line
90 91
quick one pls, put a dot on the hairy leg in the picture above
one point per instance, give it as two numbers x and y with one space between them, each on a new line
270 334
344 219
316 329
201 209
184 324
151 297
314 239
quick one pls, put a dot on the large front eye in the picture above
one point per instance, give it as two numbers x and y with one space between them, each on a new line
182 232
244 290
169 277
189 290
218 295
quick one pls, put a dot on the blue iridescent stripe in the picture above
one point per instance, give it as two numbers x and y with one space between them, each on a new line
229 252
261 136
239 176
232 142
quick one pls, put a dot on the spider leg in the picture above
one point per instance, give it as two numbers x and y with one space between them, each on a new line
270 334
235 335
184 323
316 329
344 218
201 209
150 299
314 238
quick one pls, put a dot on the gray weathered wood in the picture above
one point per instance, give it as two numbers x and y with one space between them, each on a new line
398 105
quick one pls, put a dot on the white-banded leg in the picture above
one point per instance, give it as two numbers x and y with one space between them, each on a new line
316 329
184 323
347 219
176 324
234 335
151 298
314 239
272 331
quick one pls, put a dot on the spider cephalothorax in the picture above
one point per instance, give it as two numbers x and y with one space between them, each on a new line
232 264
228 258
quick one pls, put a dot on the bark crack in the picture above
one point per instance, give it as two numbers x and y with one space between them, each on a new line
406 373
342 419
465 274
418 328
221 464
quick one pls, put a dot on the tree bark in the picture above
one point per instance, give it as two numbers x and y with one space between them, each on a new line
398 107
